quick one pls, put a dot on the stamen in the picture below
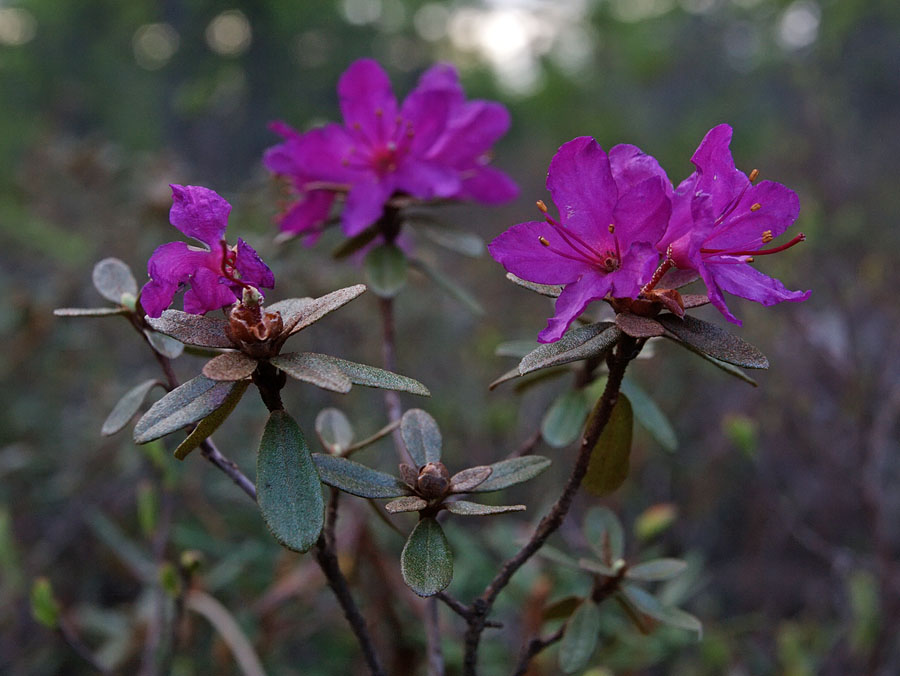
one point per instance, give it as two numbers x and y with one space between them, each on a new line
756 207
576 242
753 175
767 237
581 258
761 252
542 206
612 228
544 241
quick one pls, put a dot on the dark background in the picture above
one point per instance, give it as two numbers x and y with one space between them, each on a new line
784 494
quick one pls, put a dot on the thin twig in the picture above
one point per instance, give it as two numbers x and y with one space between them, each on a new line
73 640
433 636
481 607
535 646
209 451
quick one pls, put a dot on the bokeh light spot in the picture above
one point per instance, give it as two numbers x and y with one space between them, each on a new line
154 44
229 34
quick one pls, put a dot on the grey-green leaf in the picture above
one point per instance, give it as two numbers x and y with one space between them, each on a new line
509 375
334 430
165 345
580 639
604 534
287 486
675 617
356 479
421 435
183 406
304 312
113 279
510 472
126 407
637 326
580 343
468 479
449 286
549 290
714 341
230 366
191 329
460 241
596 567
649 415
371 376
211 422
410 503
311 368
89 311
466 508
644 601
386 268
426 561
564 420
608 467
657 569
514 348
724 366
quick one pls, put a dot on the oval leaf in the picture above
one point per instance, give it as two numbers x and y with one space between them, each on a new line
675 617
211 422
426 561
637 326
449 286
165 345
564 420
191 329
126 407
644 601
421 435
466 508
460 241
310 312
649 415
89 311
410 503
604 534
580 343
549 290
386 268
113 279
183 406
608 467
310 368
230 366
371 376
657 569
287 486
510 472
334 430
356 479
467 479
714 341
580 639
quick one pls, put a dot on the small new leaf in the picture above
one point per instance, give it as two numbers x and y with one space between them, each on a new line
126 407
334 430
44 607
113 279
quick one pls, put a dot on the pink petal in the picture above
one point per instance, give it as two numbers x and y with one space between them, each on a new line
743 229
748 282
427 180
642 212
572 302
520 251
208 292
367 100
488 186
474 128
250 265
364 206
199 213
631 166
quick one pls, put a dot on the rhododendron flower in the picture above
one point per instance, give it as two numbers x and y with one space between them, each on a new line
433 145
218 274
720 222
613 209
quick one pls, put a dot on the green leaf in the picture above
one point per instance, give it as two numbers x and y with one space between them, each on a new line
637 326
657 569
560 610
713 341
191 329
466 508
564 420
303 312
580 639
355 243
44 607
211 423
514 348
126 407
89 311
549 290
147 507
649 415
462 242
334 430
183 406
596 567
649 605
165 345
386 267
580 343
230 366
311 368
675 617
510 472
371 376
558 557
604 534
426 561
421 435
728 368
608 467
287 486
356 479
113 279
449 286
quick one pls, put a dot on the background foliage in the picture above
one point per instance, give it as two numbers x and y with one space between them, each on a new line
783 494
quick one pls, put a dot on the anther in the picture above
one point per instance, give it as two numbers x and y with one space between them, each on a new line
379 112
612 228
542 206
756 207
750 259
767 237
544 241
753 175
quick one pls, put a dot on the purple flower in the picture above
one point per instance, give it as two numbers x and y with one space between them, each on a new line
613 210
720 220
217 274
433 145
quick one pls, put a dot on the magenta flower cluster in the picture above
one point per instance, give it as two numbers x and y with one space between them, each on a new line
435 145
621 224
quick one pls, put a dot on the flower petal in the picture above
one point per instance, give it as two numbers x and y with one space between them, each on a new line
306 215
583 190
572 302
748 282
488 186
250 265
642 212
520 251
743 229
636 268
367 100
471 132
208 292
200 213
364 205
157 295
718 175
176 261
427 180
630 166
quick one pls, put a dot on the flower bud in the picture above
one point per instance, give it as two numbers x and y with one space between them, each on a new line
253 329
433 481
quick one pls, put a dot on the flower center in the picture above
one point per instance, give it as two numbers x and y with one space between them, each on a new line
608 261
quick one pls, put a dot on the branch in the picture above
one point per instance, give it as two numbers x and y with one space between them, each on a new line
535 646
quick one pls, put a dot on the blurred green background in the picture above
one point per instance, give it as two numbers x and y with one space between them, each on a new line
784 494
